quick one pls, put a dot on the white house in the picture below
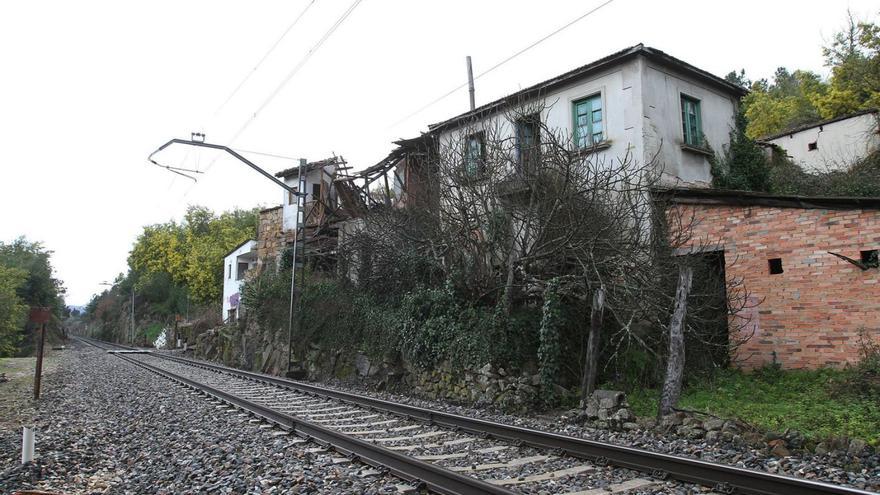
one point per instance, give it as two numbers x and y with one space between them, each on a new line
638 100
236 265
830 144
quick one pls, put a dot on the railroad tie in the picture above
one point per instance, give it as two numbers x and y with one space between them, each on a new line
620 488
509 464
545 476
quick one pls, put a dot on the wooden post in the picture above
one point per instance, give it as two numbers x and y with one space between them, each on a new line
675 364
40 316
38 370
591 356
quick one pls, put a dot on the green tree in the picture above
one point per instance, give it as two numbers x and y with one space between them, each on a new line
785 103
191 253
855 70
744 165
40 287
12 308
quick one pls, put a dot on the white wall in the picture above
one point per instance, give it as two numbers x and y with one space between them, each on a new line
231 285
838 143
663 88
620 112
642 113
312 177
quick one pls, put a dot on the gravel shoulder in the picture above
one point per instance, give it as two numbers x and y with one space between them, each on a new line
106 426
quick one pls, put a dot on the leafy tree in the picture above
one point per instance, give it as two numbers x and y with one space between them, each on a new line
855 70
40 288
12 308
786 102
799 97
191 253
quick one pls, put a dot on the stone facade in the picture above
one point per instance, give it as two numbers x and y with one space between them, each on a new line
271 237
816 311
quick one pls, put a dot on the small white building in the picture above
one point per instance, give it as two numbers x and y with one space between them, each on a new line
830 144
236 265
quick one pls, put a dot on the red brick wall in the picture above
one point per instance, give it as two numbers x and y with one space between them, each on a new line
810 315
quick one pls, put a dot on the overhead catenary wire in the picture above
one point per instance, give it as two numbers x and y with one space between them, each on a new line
504 61
290 75
263 58
303 61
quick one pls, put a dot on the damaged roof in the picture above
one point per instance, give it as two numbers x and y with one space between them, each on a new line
728 197
582 72
294 171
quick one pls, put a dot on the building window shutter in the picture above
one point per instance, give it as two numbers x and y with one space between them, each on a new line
588 121
691 121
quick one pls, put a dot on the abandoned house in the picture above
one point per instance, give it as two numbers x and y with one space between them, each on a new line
829 144
809 266
318 212
236 265
639 101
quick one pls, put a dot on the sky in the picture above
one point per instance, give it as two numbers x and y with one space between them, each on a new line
89 89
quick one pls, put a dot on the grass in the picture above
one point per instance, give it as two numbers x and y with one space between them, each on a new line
818 403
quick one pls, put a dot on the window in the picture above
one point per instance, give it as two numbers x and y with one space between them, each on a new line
813 146
473 154
691 121
242 270
528 142
291 197
229 272
588 125
775 265
316 192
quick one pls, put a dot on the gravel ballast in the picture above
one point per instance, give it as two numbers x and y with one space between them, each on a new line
839 468
106 426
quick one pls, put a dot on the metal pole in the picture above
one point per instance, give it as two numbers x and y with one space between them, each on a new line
470 71
297 211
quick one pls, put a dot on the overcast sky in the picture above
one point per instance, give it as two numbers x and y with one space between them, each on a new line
89 88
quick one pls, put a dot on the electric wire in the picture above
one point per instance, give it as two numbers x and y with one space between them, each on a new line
263 58
504 61
290 75
332 29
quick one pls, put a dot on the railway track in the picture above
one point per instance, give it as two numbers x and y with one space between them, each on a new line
448 453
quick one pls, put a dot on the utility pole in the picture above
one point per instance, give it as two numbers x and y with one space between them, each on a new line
470 72
198 140
297 213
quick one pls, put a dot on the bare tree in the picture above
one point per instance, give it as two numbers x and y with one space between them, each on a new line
517 204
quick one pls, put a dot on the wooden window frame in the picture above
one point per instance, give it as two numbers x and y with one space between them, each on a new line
574 121
534 157
481 160
688 140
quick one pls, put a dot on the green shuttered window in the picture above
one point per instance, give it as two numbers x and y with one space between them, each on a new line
588 121
691 121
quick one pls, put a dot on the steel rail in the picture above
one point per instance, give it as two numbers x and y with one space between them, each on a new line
432 477
720 477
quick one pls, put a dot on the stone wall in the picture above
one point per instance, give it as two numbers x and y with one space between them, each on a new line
815 312
486 386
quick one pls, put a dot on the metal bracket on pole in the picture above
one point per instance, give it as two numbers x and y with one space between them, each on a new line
220 147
